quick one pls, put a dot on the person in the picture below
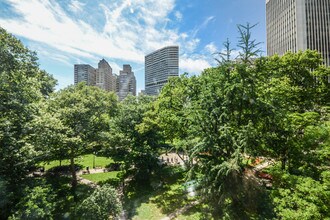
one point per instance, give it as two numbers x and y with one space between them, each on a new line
87 168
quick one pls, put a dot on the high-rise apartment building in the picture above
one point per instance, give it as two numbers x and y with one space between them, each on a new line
159 66
298 25
104 77
126 82
84 73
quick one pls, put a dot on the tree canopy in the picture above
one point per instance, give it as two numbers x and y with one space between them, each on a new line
22 86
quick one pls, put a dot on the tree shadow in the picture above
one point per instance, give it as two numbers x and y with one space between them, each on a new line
156 190
136 194
172 198
65 204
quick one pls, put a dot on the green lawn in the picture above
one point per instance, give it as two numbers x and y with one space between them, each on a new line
158 204
84 161
161 204
100 177
148 211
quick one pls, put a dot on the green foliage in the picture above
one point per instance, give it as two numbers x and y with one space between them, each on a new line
73 123
275 107
271 106
299 197
133 143
102 204
22 86
170 114
37 203
248 46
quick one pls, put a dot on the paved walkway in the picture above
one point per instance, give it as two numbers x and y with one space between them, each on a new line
91 171
264 164
172 159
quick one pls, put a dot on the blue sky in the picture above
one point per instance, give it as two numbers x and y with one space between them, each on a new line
68 32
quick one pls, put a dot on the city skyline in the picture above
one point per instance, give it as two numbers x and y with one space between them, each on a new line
122 84
125 31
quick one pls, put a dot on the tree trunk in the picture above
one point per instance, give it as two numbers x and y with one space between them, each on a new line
74 175
283 162
284 159
73 172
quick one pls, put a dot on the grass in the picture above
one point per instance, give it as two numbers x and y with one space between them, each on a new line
157 204
100 177
84 161
148 211
162 203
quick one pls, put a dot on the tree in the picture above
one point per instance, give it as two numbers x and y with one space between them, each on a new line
73 123
132 142
248 46
22 85
102 204
171 111
225 113
37 203
299 197
293 87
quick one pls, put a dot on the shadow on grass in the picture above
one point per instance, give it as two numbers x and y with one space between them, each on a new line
61 186
172 198
198 211
64 169
168 193
135 195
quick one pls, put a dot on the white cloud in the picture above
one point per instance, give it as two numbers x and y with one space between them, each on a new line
76 6
191 45
211 48
203 25
178 16
193 66
115 68
123 37
132 28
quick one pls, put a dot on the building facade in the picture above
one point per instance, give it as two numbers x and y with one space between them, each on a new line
294 25
159 66
84 73
104 77
126 82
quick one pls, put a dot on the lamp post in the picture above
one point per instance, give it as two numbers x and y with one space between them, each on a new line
94 160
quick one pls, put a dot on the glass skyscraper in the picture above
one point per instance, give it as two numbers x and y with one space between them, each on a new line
159 66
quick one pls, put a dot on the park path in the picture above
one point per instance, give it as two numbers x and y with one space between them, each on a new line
263 165
86 181
91 171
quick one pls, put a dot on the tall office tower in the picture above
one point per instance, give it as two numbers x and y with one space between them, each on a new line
159 66
298 25
126 82
104 77
84 73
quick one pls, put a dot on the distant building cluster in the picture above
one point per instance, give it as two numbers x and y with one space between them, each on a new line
159 66
102 77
